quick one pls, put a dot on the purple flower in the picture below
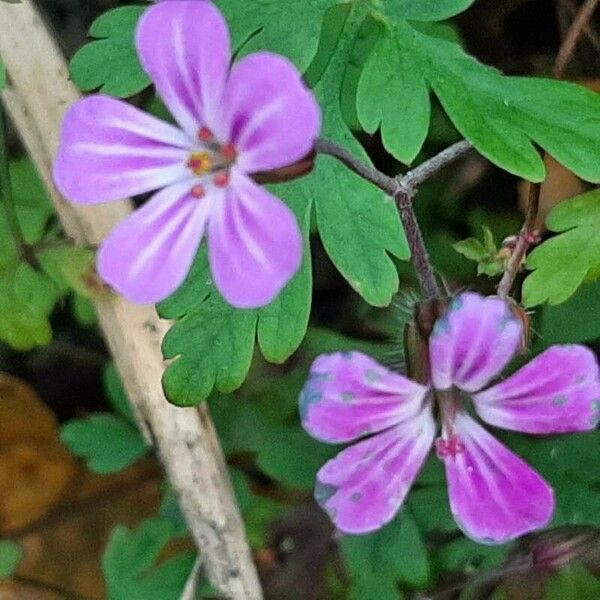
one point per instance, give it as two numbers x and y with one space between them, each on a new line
255 117
494 495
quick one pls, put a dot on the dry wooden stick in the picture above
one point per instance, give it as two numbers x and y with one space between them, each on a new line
36 99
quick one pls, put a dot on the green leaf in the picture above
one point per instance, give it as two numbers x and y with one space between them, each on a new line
562 263
471 248
430 508
378 561
115 392
464 555
287 27
393 94
573 583
503 116
110 63
171 511
26 300
426 10
213 343
2 76
129 563
106 442
11 554
68 266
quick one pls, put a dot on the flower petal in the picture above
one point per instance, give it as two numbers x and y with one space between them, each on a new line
149 254
349 395
272 117
557 391
494 495
110 150
254 244
364 486
473 342
185 48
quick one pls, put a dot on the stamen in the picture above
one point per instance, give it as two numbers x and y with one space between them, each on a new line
205 134
449 448
200 163
229 152
222 179
198 192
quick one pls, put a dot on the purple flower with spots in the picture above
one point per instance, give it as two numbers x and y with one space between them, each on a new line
494 495
233 122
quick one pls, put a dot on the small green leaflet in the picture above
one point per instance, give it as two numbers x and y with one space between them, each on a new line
30 289
2 76
503 116
110 63
129 563
11 555
562 263
484 253
108 443
379 561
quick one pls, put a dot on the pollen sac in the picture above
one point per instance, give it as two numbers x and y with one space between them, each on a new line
222 179
198 192
200 163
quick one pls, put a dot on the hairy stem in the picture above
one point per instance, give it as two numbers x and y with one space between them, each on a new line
569 45
525 239
403 189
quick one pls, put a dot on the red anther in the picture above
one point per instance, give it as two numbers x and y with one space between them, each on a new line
229 151
205 134
198 192
450 447
221 179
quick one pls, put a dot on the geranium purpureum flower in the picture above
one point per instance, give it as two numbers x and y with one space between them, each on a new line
494 495
253 117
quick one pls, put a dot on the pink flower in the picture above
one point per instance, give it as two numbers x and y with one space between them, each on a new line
256 116
494 495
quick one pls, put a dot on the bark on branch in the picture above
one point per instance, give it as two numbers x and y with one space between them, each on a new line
36 99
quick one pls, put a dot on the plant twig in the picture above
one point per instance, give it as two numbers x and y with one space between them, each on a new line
527 236
569 45
47 587
403 189
36 99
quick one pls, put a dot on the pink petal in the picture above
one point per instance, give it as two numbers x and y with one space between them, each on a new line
494 495
254 244
349 395
557 391
364 486
272 117
185 49
149 254
110 150
473 342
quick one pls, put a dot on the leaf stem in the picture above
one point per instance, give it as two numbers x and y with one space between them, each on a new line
403 189
527 236
569 45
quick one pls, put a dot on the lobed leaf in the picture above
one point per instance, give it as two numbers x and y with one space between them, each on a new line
562 263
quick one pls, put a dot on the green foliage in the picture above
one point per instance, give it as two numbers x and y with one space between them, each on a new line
464 555
130 563
573 583
11 555
108 443
37 271
562 263
2 76
373 559
110 63
484 253
426 10
502 116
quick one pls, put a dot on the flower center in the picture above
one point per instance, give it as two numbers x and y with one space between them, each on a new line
216 159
